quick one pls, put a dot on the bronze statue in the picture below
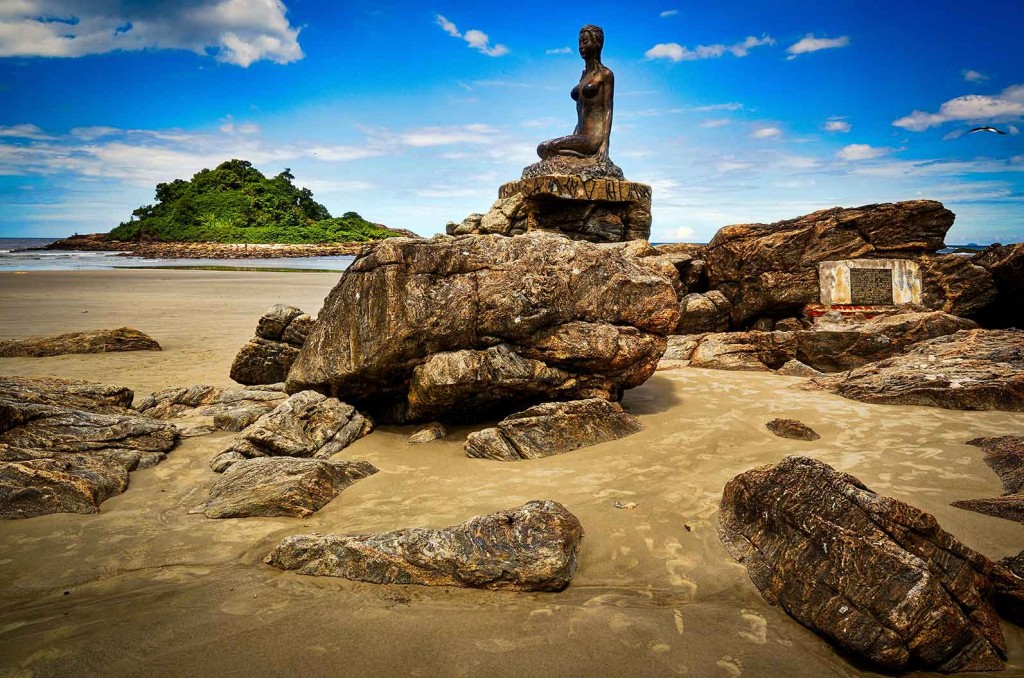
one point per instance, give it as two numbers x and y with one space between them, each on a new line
593 96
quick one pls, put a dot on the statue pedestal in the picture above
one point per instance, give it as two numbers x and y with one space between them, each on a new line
580 208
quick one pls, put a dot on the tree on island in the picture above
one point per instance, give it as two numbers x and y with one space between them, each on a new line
235 203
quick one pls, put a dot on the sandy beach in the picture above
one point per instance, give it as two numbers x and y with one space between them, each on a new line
145 589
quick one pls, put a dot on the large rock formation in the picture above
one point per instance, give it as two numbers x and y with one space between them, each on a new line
955 284
462 328
529 548
1005 456
231 409
308 424
969 370
874 575
268 356
707 312
92 341
280 486
552 428
690 263
67 446
1006 265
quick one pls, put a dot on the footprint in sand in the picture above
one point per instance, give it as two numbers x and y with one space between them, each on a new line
758 631
732 666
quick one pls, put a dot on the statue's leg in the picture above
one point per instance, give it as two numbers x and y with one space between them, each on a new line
576 145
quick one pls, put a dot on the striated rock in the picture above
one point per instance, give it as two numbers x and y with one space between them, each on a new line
1008 506
1014 563
771 269
689 262
795 368
463 328
789 325
708 312
1005 263
92 341
529 548
308 424
756 351
266 359
232 409
792 429
874 575
428 434
1005 456
552 428
680 347
280 486
955 284
969 370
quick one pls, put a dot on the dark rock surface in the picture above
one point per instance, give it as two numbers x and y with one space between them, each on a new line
552 428
67 446
591 167
232 409
707 312
1005 456
280 486
872 574
466 327
690 263
529 548
266 359
969 370
792 429
1006 265
428 434
92 341
308 424
956 284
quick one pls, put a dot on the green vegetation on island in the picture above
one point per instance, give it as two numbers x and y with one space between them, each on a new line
235 203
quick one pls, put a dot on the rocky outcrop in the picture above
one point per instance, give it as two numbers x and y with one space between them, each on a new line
67 446
151 249
754 351
467 327
1005 456
552 428
529 548
231 409
955 284
699 313
969 370
690 263
874 575
428 434
280 486
795 368
268 356
92 341
792 429
1006 265
308 424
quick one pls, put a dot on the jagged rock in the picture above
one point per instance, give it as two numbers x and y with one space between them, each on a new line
232 409
585 168
680 347
463 328
689 262
552 428
529 548
1005 456
1014 563
266 359
792 429
1006 265
708 312
795 368
280 486
969 370
67 446
308 424
789 325
429 433
1008 506
467 226
755 351
872 574
955 284
771 269
92 341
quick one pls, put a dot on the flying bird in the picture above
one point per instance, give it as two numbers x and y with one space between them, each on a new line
986 128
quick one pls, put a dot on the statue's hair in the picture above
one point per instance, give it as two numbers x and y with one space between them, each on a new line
596 31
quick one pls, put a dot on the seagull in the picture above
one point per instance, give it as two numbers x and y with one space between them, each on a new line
986 128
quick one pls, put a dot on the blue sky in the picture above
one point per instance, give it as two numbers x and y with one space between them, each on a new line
413 114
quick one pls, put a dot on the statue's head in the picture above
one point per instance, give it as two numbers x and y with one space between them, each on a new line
591 40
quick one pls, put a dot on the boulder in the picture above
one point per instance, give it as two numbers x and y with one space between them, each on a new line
308 424
795 368
532 547
680 347
266 359
231 409
67 446
953 283
756 351
792 429
1005 456
280 486
92 341
968 370
552 428
1005 263
428 434
462 328
877 577
689 262
707 312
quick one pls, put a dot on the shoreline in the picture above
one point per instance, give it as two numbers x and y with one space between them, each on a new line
206 250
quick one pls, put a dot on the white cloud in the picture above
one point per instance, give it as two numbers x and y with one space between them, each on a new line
766 133
668 12
855 152
1008 105
230 127
239 32
710 108
23 131
809 44
837 125
973 76
446 136
682 233
673 51
476 39
715 122
558 50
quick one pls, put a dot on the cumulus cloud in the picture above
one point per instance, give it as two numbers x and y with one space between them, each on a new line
855 152
668 12
1007 105
766 133
673 51
837 125
239 32
973 76
809 44
476 39
23 131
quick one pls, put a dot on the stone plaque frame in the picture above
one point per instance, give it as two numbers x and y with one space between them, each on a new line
839 288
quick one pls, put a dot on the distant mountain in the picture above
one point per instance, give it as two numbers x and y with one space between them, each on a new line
235 203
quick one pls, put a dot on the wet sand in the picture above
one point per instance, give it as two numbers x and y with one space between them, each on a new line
145 589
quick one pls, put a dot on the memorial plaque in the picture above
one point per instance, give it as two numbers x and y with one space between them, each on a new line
871 286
